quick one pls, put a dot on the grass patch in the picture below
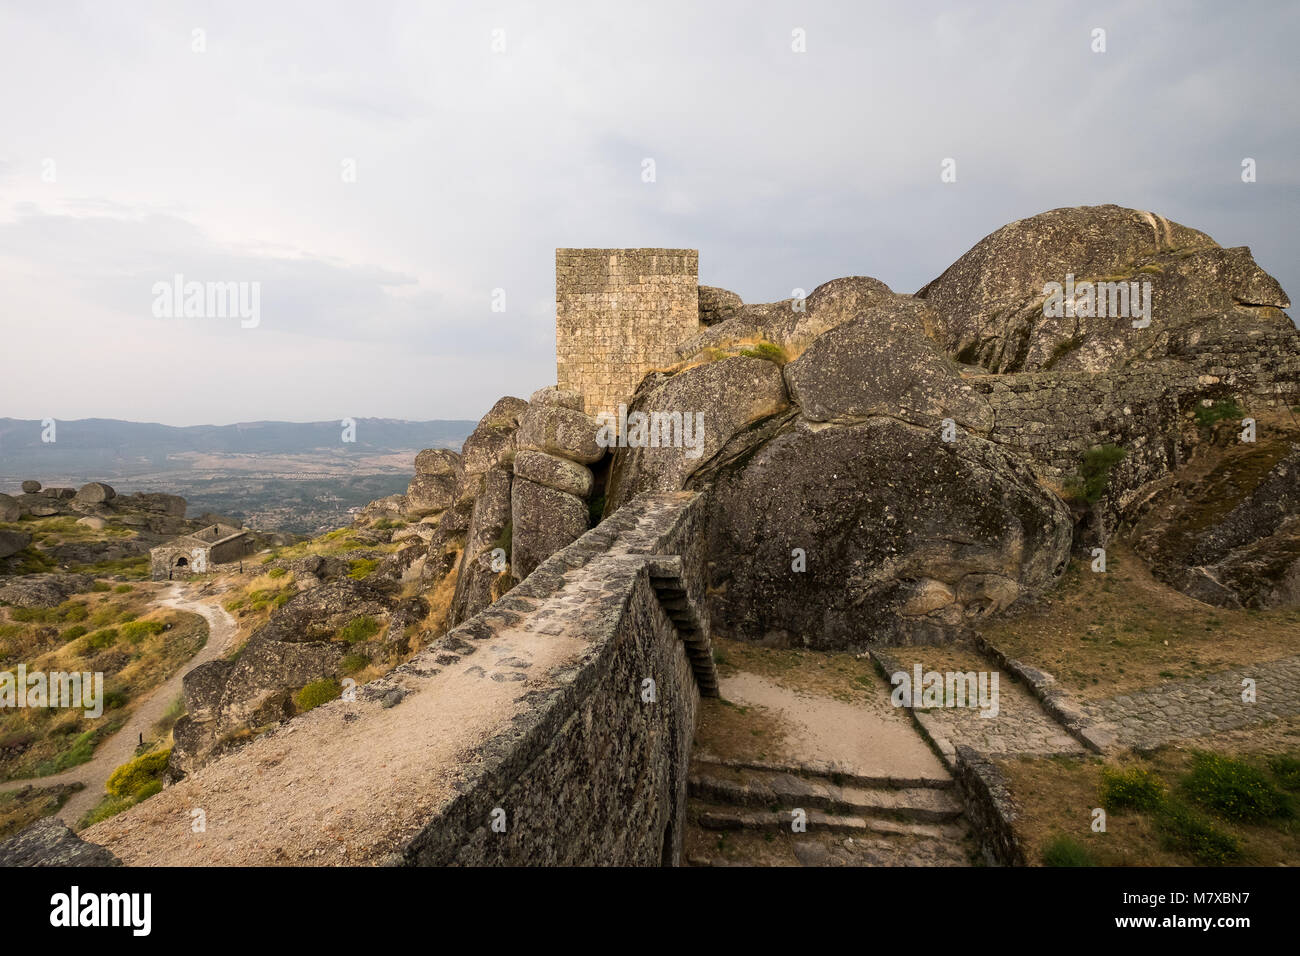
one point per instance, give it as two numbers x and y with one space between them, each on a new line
358 629
361 568
1089 484
1130 788
1063 850
316 693
1209 415
1234 789
768 351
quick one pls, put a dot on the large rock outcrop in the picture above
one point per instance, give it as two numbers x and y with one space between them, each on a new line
837 536
881 364
548 508
1227 533
991 301
708 403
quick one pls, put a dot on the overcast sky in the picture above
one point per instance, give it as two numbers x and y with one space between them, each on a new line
127 156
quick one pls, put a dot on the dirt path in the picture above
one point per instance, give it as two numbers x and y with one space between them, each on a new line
120 748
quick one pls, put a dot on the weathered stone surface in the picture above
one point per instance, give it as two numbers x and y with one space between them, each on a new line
730 395
544 521
554 395
390 506
879 364
11 542
95 492
31 487
559 431
44 590
10 510
990 301
888 516
171 505
478 583
553 472
493 440
793 323
437 461
717 305
429 493
618 314
1232 537
51 842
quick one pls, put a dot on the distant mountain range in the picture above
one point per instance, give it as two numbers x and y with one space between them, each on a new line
109 448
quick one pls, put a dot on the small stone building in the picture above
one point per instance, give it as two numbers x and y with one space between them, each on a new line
620 313
198 552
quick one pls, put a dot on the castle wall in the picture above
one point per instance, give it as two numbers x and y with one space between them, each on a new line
618 314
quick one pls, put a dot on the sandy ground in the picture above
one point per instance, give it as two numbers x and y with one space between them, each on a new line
121 747
871 739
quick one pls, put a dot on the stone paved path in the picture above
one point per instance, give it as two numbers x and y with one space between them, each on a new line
1192 708
1021 726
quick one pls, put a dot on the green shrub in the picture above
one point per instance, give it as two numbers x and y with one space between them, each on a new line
1062 850
316 693
359 629
1207 415
1131 788
134 775
137 631
99 587
769 351
362 568
74 632
104 638
351 663
115 698
1094 473
1182 828
123 589
104 616
1234 789
71 612
277 572
1287 771
30 615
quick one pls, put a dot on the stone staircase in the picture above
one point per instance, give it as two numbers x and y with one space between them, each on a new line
666 579
740 814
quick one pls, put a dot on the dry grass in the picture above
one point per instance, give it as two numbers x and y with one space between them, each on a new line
1057 795
1102 634
738 731
93 636
839 675
21 808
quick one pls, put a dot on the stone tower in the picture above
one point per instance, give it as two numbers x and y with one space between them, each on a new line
618 314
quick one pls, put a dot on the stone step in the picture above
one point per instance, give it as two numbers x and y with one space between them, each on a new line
766 788
714 817
763 848
815 770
